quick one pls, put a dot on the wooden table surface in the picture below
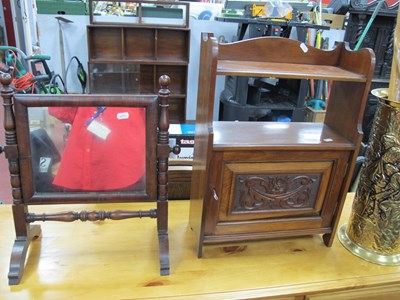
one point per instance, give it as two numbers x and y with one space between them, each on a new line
119 260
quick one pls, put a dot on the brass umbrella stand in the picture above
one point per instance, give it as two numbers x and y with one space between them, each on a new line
373 230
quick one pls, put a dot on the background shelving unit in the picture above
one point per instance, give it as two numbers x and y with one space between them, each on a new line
380 38
129 58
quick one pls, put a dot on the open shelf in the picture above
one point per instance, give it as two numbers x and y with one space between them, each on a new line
109 42
280 135
287 70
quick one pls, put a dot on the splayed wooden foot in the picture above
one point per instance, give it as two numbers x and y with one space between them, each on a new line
18 255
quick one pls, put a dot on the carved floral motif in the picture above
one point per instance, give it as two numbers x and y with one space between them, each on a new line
275 192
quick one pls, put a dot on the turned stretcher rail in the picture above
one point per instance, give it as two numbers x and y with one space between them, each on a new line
95 215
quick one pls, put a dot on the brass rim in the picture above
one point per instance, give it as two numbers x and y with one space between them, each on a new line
382 95
371 256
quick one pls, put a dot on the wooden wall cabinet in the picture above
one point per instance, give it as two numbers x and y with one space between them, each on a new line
258 180
130 59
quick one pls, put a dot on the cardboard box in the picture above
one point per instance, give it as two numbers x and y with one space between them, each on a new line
183 136
334 21
317 116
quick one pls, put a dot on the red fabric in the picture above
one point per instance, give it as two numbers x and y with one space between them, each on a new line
91 163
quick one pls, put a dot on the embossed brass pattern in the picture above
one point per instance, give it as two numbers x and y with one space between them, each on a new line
373 232
276 192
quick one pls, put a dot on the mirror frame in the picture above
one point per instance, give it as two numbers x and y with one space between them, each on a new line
22 103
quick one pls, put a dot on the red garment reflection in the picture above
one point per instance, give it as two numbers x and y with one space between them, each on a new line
92 163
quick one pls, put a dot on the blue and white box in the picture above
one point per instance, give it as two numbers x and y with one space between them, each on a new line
183 136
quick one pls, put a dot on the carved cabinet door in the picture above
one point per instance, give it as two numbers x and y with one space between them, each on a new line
258 193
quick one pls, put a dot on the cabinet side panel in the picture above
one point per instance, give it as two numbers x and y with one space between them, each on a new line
345 109
347 100
360 62
203 135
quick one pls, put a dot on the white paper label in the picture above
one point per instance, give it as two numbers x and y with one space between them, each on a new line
304 47
99 130
123 116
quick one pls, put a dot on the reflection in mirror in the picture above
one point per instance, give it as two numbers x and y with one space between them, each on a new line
122 8
88 148
169 13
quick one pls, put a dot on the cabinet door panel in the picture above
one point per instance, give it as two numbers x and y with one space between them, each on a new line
272 193
268 190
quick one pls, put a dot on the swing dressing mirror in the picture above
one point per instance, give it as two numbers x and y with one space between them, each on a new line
78 149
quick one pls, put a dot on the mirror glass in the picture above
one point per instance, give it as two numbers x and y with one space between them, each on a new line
169 13
88 148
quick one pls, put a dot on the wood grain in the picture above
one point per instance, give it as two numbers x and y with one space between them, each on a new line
117 266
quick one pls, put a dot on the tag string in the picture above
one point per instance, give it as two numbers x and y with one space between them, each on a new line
99 111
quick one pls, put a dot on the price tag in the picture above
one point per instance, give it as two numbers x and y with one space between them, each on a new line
98 129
